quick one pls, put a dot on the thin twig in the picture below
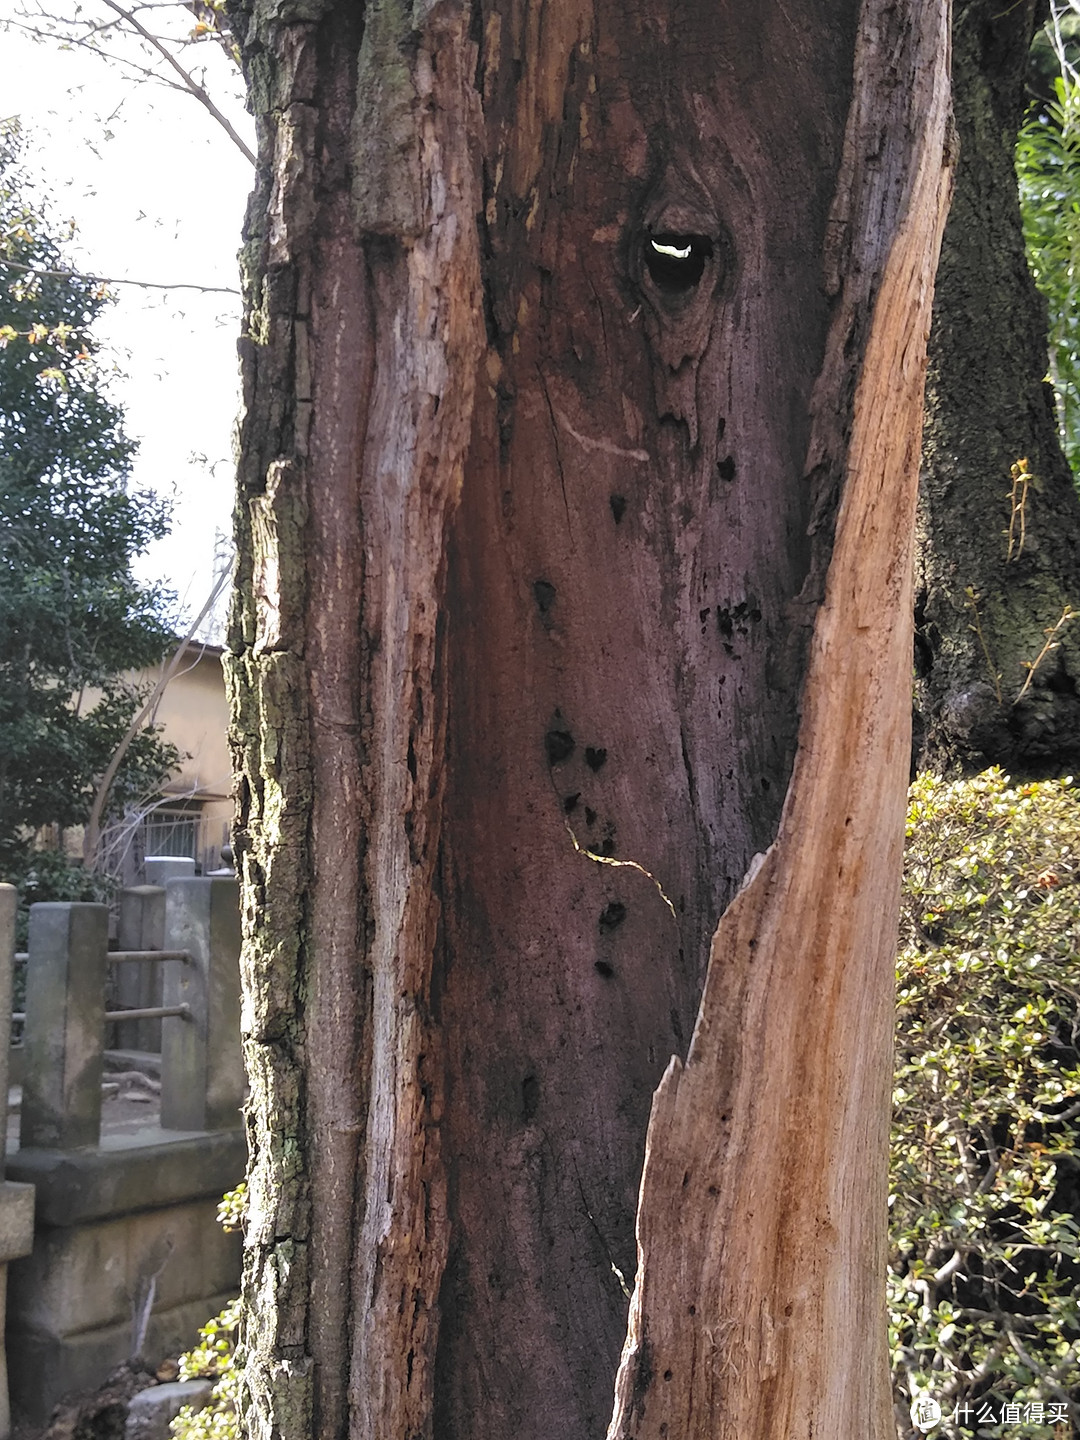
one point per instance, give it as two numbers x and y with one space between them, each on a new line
112 280
198 91
1051 644
995 676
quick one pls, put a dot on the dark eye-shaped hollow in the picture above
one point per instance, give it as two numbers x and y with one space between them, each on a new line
676 262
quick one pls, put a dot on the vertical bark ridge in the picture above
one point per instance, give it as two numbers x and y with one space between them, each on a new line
769 1144
427 343
296 676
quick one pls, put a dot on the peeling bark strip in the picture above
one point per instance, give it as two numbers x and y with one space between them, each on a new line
759 1312
427 343
530 548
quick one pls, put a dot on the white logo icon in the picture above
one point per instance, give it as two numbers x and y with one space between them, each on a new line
925 1414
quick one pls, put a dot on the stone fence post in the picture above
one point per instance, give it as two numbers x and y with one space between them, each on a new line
16 1201
65 1026
141 926
202 1070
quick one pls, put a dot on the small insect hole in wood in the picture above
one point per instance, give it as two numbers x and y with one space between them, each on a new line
613 915
544 594
559 745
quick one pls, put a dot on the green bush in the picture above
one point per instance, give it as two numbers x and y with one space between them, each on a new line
215 1355
984 1286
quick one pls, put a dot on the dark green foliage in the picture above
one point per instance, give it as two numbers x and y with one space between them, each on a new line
984 1284
72 618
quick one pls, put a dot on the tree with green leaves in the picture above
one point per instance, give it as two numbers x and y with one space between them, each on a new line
73 620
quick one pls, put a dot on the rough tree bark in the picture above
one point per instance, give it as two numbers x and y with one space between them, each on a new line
575 333
988 407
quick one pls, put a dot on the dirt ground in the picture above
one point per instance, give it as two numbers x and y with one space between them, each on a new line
100 1414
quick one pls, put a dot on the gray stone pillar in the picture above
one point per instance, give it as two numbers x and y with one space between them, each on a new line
202 1070
65 1026
139 984
160 868
9 901
16 1201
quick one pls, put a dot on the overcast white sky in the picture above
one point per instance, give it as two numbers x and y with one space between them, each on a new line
158 193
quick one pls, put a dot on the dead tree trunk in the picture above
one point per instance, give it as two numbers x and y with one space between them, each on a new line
575 333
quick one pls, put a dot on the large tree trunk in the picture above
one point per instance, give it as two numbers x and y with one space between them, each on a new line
575 331
982 605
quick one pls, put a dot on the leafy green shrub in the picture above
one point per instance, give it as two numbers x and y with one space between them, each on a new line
215 1355
984 1285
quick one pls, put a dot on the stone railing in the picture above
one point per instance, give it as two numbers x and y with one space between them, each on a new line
127 1258
202 1076
16 1201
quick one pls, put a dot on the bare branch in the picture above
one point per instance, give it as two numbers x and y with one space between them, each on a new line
88 42
1046 1376
191 84
114 280
949 1268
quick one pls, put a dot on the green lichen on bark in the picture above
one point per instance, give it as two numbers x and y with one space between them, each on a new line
387 188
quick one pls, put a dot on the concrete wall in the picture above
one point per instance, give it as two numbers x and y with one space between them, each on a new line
115 1229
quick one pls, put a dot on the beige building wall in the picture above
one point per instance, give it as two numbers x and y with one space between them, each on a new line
193 813
194 717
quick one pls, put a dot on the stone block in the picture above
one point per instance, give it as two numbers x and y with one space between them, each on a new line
139 984
89 1277
16 1220
65 1025
44 1368
129 1173
202 1070
152 1409
160 868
